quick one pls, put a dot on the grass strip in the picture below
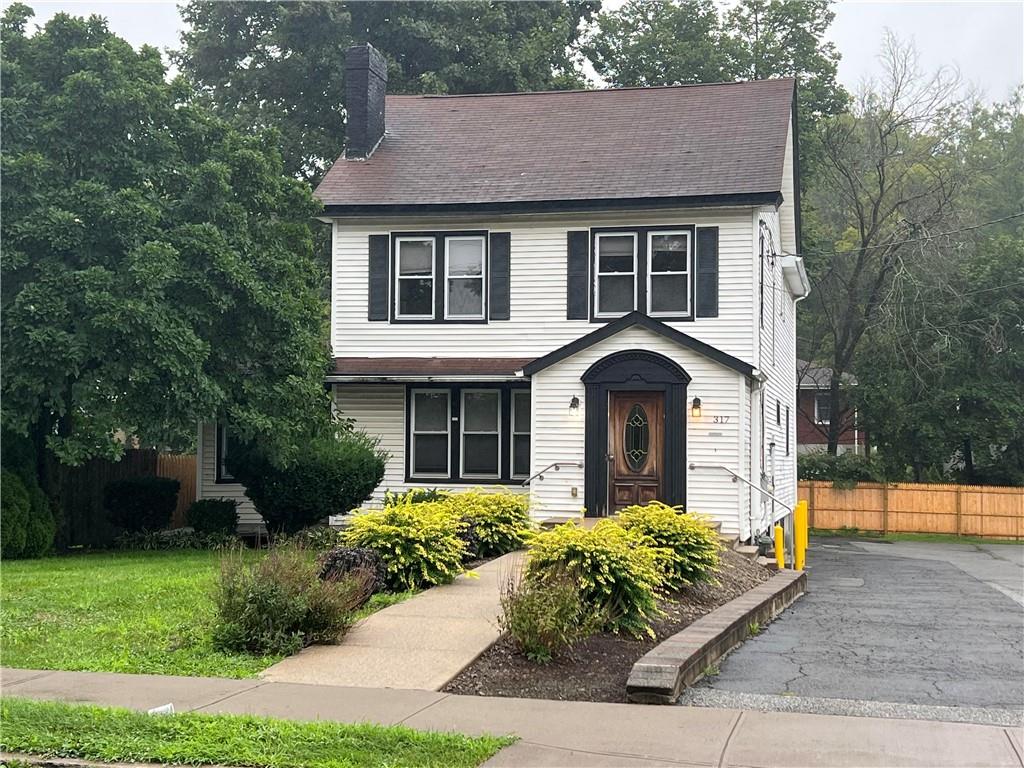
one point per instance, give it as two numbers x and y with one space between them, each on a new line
56 729
944 538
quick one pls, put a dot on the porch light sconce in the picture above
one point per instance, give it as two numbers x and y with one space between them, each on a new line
695 408
574 406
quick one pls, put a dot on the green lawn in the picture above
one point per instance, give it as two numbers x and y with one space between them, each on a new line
56 729
946 538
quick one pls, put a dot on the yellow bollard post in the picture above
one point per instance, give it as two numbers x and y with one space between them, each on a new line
800 537
780 547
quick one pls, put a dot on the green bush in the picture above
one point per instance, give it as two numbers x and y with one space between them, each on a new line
27 525
141 503
15 507
414 496
419 543
546 617
151 541
618 575
688 546
333 474
496 523
213 516
279 603
844 470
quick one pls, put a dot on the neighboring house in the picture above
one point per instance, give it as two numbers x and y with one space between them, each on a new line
814 412
580 292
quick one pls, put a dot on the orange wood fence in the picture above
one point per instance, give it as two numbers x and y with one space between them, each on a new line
963 510
182 467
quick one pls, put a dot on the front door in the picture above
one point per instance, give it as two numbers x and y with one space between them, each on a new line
636 447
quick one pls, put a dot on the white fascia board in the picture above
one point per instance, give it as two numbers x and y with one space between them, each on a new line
795 275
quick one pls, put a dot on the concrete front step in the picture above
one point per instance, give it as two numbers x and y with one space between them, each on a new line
748 551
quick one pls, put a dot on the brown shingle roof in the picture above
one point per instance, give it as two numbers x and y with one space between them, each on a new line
696 141
429 366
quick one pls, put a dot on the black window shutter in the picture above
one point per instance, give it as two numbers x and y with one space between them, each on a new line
707 272
378 283
500 277
578 278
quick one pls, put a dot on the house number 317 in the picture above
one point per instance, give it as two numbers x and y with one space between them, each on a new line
720 419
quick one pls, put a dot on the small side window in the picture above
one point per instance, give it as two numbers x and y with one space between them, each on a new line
224 442
520 433
823 408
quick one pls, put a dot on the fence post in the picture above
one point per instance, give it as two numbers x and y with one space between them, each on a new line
958 510
810 504
885 508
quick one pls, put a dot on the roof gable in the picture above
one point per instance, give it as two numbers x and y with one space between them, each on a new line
649 323
720 144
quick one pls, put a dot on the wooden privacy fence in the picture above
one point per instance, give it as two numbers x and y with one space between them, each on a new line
182 467
962 510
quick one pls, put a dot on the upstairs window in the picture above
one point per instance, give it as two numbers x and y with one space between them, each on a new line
414 278
823 408
615 274
465 268
668 281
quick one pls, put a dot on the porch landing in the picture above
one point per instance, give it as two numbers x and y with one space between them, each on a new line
421 643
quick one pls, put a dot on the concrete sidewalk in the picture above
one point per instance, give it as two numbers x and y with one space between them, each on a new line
420 643
555 733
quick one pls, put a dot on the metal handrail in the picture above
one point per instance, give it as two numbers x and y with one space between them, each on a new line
742 479
555 465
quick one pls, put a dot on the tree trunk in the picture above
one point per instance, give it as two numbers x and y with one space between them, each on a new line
834 415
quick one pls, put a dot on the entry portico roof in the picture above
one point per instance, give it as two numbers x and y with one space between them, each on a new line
651 324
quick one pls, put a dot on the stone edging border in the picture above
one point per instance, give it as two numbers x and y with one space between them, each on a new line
660 675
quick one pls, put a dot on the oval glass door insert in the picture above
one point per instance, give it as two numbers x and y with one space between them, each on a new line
636 438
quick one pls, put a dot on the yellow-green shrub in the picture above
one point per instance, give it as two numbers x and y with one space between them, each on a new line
617 573
419 543
688 545
496 523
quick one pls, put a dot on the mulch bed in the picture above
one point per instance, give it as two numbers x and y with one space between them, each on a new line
597 668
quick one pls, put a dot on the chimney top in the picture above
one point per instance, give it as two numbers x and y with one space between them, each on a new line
366 78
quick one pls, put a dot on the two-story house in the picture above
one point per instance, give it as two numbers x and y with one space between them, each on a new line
583 293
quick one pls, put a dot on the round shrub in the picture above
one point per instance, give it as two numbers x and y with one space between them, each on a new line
42 527
213 516
141 503
496 523
15 507
333 475
419 543
339 562
414 496
617 573
688 545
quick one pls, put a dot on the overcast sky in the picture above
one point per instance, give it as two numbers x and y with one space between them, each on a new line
983 38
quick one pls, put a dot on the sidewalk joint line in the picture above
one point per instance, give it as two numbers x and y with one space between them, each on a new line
423 709
630 755
259 684
42 673
1013 746
728 739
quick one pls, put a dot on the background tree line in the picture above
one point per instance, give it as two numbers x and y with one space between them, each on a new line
161 265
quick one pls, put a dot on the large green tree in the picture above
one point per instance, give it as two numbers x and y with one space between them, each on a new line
282 64
157 262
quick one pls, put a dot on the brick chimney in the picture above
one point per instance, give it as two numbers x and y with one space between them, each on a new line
366 79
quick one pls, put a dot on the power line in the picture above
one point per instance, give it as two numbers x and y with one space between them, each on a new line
925 238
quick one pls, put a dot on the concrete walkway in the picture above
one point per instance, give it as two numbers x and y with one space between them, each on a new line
556 733
421 643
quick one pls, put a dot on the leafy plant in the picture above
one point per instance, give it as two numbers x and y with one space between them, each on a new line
213 516
335 473
153 541
616 571
544 617
141 503
844 470
341 561
688 545
279 603
419 543
414 495
496 523
14 513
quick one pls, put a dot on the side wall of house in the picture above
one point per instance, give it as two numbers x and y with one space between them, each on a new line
207 486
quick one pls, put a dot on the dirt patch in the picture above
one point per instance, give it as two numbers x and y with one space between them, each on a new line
598 667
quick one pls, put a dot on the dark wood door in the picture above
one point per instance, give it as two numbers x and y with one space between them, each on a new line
636 448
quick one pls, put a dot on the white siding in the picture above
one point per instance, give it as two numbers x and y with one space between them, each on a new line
208 487
787 211
538 321
562 439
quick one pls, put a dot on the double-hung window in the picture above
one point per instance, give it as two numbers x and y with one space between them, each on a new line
431 426
414 278
615 262
520 433
225 442
481 433
465 262
822 407
668 274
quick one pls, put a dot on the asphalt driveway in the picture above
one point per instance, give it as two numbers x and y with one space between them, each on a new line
911 629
